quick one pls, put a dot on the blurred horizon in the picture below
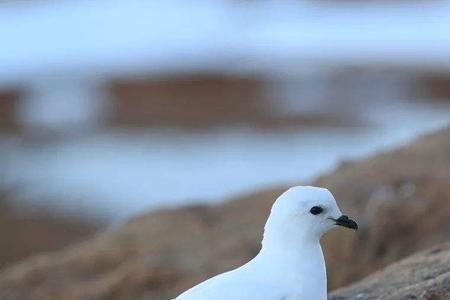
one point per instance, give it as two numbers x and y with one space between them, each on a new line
111 108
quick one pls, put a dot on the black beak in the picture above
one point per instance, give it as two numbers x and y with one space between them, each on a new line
346 222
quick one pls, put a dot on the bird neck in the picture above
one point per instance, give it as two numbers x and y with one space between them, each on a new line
294 252
289 238
293 264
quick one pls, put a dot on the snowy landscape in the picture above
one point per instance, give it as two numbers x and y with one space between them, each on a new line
115 173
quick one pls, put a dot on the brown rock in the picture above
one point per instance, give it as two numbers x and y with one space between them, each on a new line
400 198
8 109
207 100
423 276
23 233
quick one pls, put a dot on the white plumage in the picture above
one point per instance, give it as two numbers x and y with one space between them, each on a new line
290 265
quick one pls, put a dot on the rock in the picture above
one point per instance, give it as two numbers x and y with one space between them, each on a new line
400 199
23 233
208 100
8 103
424 276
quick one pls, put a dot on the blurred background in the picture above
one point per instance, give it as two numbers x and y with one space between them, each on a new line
109 109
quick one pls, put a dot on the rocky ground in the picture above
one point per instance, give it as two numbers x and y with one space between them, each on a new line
23 234
424 276
400 199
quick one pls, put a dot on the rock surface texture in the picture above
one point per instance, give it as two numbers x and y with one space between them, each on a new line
400 198
424 276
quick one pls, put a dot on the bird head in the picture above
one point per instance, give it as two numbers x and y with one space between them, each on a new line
304 213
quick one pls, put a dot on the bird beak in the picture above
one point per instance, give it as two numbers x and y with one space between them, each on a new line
344 221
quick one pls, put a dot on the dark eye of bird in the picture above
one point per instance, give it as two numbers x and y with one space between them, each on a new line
315 210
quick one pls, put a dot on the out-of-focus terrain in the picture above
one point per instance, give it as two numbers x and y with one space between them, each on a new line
423 276
207 101
400 199
25 233
142 143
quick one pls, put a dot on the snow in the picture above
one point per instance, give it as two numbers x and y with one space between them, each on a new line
69 105
119 174
97 37
47 45
107 38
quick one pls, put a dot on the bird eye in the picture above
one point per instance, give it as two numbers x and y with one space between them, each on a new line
315 210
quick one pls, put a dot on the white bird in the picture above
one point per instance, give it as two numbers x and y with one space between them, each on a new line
290 264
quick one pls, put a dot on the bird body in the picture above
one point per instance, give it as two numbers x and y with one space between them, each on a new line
290 265
280 279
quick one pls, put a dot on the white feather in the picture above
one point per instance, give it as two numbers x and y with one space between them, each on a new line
290 265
